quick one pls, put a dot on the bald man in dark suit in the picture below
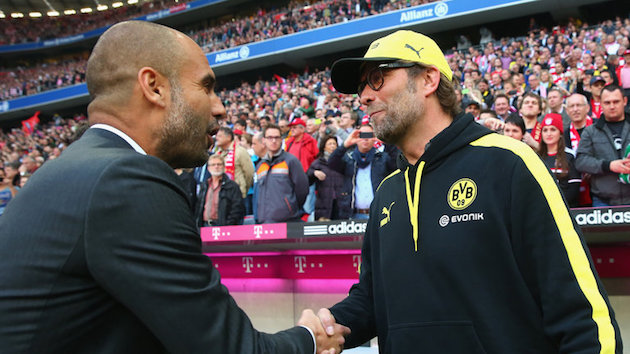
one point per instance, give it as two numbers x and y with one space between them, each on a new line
100 252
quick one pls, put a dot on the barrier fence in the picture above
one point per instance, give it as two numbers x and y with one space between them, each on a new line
331 250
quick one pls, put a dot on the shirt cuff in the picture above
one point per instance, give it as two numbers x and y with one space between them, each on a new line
312 336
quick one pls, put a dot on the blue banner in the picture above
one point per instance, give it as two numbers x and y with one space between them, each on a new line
377 23
51 96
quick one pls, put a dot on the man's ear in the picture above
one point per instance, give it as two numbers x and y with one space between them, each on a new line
431 80
154 86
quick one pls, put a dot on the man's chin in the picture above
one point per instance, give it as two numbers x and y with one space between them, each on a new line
201 159
386 138
190 161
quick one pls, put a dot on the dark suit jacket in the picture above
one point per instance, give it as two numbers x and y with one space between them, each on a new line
99 253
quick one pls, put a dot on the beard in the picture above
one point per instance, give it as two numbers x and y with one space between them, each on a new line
400 114
184 137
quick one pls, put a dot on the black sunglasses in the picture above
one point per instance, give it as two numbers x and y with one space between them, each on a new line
375 78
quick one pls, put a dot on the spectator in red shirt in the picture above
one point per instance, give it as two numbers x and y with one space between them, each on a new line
300 144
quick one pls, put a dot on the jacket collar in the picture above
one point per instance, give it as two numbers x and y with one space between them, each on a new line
602 120
120 134
458 134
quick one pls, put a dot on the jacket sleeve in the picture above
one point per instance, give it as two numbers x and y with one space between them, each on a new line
237 207
310 173
357 310
586 160
580 89
556 265
312 149
200 200
143 248
246 165
336 162
299 179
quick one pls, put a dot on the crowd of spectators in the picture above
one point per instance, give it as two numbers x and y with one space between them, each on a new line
261 24
213 34
23 151
544 89
297 16
28 80
27 29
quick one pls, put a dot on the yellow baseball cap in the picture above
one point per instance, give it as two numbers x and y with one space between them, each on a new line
400 45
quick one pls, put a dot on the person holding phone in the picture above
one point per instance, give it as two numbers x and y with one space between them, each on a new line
363 168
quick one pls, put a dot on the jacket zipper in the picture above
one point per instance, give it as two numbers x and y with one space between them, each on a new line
413 203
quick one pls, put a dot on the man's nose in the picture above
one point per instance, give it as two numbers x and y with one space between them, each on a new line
366 96
217 108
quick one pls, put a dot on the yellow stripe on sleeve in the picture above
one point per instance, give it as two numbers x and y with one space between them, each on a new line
386 178
576 254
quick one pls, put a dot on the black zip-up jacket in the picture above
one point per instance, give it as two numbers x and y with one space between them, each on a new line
473 250
231 207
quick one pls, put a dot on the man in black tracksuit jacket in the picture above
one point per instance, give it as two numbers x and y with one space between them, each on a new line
470 247
231 209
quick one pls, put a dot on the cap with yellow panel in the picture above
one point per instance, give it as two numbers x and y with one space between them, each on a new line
401 45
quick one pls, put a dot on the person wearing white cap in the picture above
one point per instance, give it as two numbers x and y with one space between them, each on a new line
470 247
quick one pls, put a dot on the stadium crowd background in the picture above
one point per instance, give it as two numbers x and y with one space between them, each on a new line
567 56
41 74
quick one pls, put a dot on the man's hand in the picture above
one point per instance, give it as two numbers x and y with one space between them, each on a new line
493 124
329 341
328 320
320 175
329 323
620 166
352 139
529 140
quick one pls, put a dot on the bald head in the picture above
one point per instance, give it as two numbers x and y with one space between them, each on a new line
123 50
155 84
577 107
577 98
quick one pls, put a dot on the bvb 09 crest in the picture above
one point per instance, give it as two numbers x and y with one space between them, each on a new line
462 193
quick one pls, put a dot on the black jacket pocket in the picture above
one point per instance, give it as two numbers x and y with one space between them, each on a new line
444 337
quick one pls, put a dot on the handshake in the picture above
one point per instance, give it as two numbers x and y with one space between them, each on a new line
328 334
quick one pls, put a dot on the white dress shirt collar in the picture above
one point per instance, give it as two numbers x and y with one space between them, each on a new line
124 136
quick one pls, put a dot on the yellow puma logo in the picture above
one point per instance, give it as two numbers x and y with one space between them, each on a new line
386 212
